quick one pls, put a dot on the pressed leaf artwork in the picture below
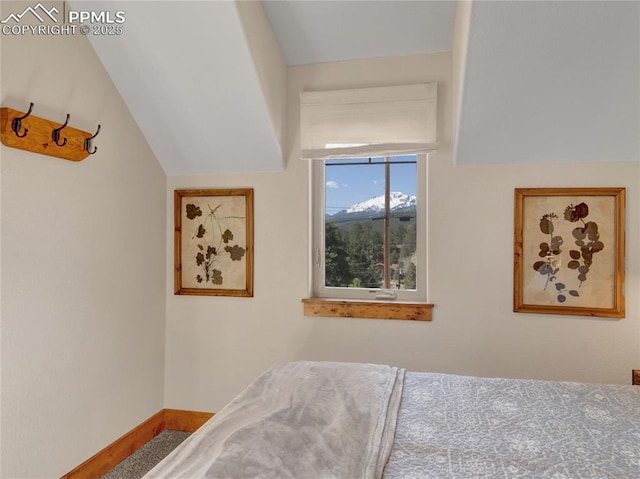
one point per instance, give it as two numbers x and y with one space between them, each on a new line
213 242
550 250
210 236
568 251
587 239
569 247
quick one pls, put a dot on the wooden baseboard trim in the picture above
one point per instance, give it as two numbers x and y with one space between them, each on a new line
116 452
187 421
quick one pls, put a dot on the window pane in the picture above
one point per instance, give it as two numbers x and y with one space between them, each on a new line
355 218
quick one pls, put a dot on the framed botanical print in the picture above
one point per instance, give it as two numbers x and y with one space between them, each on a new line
569 251
213 242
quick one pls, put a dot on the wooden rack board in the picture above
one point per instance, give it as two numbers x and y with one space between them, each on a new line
39 139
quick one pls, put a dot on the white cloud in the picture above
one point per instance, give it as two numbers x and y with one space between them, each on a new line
332 184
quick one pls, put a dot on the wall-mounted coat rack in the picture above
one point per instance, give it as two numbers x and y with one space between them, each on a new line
38 135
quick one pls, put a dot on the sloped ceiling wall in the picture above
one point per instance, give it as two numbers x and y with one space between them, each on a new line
555 81
186 71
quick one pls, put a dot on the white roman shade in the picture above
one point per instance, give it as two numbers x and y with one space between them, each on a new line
368 122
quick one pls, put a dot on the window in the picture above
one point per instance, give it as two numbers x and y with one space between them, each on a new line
368 149
369 228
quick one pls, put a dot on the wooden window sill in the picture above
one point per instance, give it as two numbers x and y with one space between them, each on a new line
343 308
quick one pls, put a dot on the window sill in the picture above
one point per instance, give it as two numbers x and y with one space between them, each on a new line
342 308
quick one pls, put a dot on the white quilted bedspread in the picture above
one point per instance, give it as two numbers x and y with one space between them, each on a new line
469 427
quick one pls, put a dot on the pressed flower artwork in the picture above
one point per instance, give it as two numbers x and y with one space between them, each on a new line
569 251
213 242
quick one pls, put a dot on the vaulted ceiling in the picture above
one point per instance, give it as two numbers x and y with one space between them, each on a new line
311 32
205 80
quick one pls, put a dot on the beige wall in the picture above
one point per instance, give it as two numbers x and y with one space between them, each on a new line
83 266
215 345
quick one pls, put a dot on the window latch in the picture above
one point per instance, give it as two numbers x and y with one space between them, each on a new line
386 294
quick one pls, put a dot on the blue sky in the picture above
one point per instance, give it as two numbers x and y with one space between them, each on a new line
348 185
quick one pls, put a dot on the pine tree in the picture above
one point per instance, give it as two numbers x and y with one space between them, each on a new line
337 270
365 253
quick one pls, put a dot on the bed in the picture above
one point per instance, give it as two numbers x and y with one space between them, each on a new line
307 420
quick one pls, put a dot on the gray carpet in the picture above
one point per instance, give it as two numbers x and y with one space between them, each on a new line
141 461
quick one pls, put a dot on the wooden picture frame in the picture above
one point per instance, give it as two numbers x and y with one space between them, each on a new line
569 251
213 242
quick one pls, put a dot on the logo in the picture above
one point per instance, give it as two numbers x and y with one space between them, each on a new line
38 20
34 11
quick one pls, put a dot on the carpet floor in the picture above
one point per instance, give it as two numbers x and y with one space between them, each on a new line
143 460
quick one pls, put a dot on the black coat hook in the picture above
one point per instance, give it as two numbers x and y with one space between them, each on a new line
55 134
87 142
16 123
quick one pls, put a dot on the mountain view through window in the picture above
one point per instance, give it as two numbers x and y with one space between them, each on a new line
370 223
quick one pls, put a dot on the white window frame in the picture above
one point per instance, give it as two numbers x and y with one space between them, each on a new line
317 265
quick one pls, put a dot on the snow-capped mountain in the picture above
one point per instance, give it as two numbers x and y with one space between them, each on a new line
374 205
402 206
